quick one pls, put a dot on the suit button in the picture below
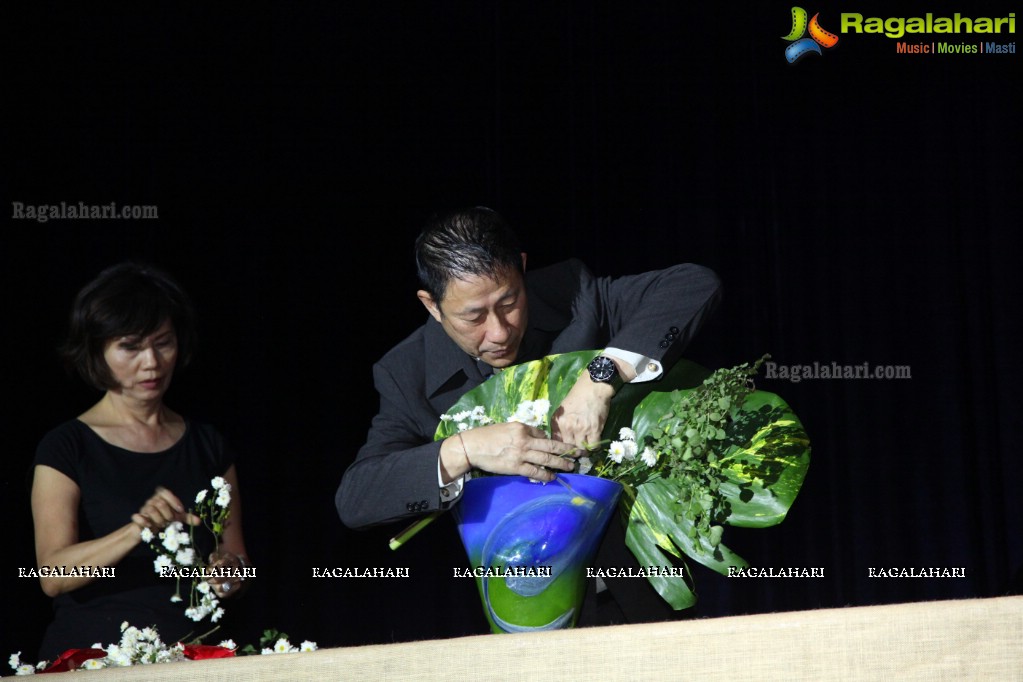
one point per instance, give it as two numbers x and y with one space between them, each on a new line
664 344
444 492
670 337
423 505
410 506
674 330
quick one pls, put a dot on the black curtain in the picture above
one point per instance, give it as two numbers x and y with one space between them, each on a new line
860 206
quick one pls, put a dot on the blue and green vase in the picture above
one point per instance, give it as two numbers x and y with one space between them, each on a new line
530 543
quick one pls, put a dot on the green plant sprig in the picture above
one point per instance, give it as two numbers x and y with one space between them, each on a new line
689 440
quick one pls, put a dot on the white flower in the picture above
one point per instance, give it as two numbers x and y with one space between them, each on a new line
218 482
228 644
224 496
307 646
195 613
630 449
200 496
446 417
94 664
531 412
174 536
626 433
266 652
15 660
585 464
161 562
203 587
463 426
115 656
185 557
649 456
25 669
283 646
217 615
616 452
176 598
147 535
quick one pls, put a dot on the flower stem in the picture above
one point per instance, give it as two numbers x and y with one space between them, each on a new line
410 532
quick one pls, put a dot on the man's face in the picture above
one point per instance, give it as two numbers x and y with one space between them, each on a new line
485 316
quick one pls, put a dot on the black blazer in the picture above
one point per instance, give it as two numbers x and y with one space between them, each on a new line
395 473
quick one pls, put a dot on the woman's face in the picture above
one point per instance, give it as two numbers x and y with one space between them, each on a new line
142 366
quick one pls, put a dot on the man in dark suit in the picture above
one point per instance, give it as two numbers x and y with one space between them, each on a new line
486 313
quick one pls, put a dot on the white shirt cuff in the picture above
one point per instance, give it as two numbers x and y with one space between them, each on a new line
449 492
646 368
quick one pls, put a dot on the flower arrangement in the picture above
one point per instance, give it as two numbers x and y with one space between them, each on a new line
694 452
144 647
175 549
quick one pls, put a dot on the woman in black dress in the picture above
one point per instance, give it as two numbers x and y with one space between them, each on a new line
127 464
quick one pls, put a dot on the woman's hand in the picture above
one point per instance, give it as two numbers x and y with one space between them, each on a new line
161 510
231 585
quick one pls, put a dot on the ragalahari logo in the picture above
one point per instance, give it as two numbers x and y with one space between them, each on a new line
801 46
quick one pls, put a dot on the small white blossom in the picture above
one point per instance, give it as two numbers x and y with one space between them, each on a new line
203 587
24 669
218 482
200 496
94 664
15 660
161 562
532 412
224 496
446 417
649 456
463 426
176 598
116 656
307 646
185 557
283 646
147 535
217 615
626 434
585 464
174 536
616 452
266 651
630 449
228 644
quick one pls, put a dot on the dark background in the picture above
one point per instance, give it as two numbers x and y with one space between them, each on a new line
860 206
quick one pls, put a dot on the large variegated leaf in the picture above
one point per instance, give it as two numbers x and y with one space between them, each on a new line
766 460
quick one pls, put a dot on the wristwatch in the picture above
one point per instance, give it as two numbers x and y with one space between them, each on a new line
602 370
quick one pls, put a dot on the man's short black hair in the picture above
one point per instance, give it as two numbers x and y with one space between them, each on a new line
471 241
125 299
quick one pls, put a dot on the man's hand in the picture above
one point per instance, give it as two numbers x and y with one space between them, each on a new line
580 418
511 448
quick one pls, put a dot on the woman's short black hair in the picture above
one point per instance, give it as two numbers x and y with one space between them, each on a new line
125 299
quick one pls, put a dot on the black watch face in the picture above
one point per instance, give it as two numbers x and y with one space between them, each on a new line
602 369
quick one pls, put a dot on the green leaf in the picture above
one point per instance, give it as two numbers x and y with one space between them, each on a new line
766 453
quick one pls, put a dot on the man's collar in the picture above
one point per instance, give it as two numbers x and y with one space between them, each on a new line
444 358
